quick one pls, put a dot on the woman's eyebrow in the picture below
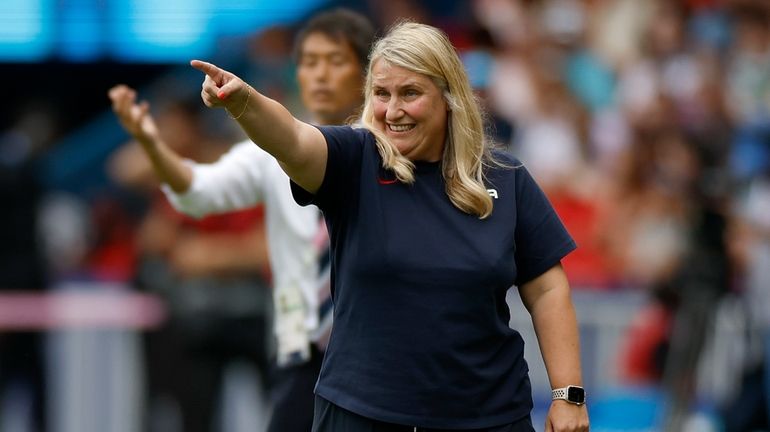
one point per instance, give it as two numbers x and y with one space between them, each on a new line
414 84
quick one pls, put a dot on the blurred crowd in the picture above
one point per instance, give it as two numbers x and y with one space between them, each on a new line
647 123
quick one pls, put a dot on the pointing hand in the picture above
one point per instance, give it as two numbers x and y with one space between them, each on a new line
222 88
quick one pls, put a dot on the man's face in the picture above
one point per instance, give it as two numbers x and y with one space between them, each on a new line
330 78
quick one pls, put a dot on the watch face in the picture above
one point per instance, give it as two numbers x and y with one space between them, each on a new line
576 395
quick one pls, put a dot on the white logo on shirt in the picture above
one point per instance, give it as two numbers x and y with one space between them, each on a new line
492 193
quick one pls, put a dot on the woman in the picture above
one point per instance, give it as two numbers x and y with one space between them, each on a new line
428 231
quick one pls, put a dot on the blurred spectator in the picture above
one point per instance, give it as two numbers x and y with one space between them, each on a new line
479 59
22 265
750 408
268 64
646 343
748 88
387 12
757 207
647 220
550 125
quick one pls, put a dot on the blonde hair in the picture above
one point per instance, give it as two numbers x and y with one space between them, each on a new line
426 50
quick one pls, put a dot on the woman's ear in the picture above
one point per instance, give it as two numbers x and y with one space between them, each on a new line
448 99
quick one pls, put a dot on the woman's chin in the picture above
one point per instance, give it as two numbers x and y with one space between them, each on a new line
403 149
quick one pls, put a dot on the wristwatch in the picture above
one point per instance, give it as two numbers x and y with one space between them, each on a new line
572 394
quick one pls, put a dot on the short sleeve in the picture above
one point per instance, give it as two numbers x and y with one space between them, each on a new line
343 166
541 238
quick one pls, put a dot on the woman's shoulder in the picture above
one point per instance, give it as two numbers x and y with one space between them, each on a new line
354 131
502 160
346 138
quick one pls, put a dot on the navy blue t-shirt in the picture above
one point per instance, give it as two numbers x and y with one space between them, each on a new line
421 333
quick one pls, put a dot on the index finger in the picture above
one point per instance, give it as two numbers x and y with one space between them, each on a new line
117 92
209 69
121 98
113 92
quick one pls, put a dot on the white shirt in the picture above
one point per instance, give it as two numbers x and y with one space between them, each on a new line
245 176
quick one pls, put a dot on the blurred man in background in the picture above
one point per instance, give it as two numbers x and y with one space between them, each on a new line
210 273
331 54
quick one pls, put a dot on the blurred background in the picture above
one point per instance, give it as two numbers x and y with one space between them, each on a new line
647 123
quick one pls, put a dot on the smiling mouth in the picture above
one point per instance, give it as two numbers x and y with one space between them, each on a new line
400 128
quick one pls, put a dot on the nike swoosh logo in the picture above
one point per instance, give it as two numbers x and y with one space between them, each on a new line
385 182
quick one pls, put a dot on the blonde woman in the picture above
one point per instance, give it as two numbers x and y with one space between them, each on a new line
429 230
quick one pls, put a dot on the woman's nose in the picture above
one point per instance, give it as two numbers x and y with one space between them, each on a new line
395 110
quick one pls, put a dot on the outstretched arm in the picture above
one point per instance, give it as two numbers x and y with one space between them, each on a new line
299 147
137 121
547 298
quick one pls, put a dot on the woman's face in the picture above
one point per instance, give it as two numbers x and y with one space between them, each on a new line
410 109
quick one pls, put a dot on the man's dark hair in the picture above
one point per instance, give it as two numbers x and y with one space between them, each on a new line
340 25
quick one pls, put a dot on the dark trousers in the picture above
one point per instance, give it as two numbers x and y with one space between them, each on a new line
22 363
331 418
292 395
187 369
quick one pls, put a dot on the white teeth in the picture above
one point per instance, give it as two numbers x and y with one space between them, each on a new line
400 128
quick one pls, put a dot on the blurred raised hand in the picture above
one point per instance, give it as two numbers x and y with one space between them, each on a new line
137 121
134 117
